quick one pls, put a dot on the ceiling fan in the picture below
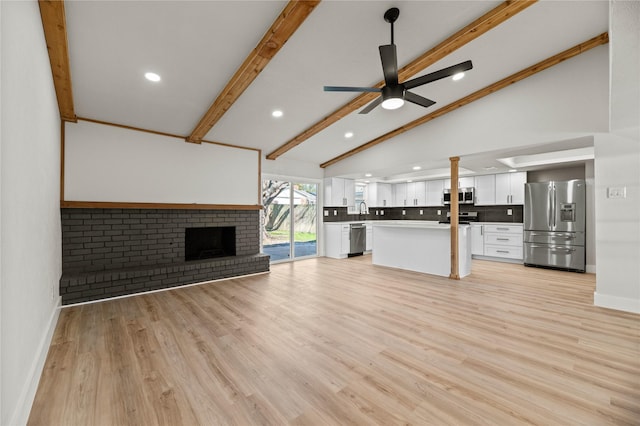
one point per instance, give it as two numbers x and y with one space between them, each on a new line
393 94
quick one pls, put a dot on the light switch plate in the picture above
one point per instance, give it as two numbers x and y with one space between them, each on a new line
421 212
404 212
439 212
509 212
617 192
335 212
326 212
381 212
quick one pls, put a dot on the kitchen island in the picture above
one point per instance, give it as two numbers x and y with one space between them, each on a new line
421 246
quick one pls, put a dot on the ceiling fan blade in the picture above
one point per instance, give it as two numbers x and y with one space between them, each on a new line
371 106
350 89
417 99
437 75
389 64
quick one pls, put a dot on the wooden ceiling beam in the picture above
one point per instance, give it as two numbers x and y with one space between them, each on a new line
486 22
289 20
55 34
514 78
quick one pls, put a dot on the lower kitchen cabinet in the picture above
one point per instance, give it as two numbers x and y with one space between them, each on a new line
336 240
477 239
496 241
369 241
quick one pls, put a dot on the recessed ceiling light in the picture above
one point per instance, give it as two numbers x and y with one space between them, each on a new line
416 167
277 113
348 135
367 175
152 76
458 76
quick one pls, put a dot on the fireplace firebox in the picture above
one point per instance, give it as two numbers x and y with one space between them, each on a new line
209 242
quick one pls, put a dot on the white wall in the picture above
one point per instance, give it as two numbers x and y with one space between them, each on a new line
617 164
107 163
30 254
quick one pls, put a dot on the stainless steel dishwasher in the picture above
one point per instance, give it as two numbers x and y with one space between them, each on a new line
357 239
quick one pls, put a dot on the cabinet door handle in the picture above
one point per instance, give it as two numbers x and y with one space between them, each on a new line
502 229
502 239
481 230
502 251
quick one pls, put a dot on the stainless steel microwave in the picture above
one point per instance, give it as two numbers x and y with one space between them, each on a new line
465 196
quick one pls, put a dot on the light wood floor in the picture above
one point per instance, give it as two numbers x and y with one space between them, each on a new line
322 341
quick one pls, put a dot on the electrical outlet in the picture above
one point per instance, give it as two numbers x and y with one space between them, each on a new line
376 212
326 212
404 212
421 212
509 212
381 212
617 192
335 212
439 212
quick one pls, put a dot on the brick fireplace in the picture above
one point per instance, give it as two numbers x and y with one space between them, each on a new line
114 252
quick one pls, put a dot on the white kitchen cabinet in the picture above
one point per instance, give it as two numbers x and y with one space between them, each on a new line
399 194
503 241
410 194
416 193
435 189
510 188
477 239
463 182
339 192
379 194
485 191
336 240
369 241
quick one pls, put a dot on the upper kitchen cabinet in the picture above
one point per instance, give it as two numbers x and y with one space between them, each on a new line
463 182
399 194
379 194
435 189
417 193
485 190
339 192
510 188
410 194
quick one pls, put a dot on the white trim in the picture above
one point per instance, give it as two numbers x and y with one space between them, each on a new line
28 393
497 259
591 269
616 302
163 289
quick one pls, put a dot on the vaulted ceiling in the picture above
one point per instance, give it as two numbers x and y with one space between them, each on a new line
226 65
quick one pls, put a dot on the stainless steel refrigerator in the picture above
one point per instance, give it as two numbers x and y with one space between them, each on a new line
554 224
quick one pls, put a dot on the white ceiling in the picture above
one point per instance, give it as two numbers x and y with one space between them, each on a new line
196 46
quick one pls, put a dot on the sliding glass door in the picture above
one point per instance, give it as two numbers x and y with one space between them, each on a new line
290 224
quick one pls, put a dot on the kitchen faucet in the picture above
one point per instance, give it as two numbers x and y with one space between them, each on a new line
363 211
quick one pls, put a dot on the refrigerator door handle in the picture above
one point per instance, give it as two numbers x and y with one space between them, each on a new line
550 212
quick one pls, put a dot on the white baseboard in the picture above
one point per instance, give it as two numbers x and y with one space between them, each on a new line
616 302
28 393
591 269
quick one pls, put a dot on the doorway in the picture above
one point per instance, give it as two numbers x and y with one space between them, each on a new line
289 225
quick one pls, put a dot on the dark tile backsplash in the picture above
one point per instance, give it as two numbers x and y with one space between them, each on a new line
485 213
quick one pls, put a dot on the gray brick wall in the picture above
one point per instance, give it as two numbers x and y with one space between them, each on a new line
104 249
103 239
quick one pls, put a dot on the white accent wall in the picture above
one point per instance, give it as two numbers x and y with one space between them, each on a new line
617 164
30 249
114 164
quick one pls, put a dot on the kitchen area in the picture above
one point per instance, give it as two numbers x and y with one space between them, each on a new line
505 217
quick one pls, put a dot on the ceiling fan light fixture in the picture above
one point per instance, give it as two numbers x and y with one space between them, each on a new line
458 76
392 103
152 76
